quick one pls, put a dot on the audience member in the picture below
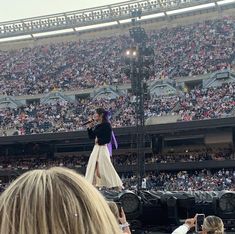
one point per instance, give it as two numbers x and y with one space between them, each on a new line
54 201
120 216
211 225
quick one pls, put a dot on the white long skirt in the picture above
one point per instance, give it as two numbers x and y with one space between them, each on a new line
108 175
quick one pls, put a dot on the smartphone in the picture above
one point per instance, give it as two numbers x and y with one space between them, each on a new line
119 205
199 222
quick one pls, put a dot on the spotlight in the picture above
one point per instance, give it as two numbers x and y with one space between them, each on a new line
138 34
131 204
227 202
131 52
226 208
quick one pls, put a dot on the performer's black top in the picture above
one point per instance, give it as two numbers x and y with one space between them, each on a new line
102 131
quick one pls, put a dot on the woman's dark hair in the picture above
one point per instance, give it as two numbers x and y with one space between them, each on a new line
105 114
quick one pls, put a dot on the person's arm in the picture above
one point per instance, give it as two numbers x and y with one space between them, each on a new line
124 224
183 229
104 134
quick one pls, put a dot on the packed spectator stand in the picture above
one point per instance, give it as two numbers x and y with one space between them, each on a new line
63 116
31 74
204 180
182 51
207 180
195 49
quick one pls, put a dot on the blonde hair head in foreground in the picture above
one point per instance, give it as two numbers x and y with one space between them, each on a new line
213 225
54 201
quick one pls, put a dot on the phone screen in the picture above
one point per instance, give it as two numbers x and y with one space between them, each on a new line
199 222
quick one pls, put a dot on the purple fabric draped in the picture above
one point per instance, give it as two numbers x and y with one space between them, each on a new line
112 142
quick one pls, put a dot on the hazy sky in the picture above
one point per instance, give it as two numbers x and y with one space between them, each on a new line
18 9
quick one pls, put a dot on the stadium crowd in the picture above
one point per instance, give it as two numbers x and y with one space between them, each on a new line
188 50
200 156
51 200
53 117
73 160
29 162
64 116
204 180
197 104
191 180
210 103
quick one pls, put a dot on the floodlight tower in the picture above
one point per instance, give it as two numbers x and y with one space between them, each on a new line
137 55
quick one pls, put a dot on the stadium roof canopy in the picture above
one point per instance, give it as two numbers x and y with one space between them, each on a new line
115 14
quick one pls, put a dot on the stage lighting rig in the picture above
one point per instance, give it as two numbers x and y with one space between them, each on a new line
131 204
226 202
131 53
138 34
136 13
166 210
139 58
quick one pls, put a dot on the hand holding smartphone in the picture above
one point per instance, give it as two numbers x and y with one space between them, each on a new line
199 222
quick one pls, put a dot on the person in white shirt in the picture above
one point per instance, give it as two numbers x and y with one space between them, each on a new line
144 183
183 229
211 225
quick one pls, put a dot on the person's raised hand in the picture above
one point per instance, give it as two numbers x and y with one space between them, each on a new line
190 222
91 124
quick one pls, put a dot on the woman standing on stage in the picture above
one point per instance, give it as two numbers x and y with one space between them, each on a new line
100 170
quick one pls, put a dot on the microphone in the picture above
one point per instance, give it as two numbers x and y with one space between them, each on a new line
87 122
